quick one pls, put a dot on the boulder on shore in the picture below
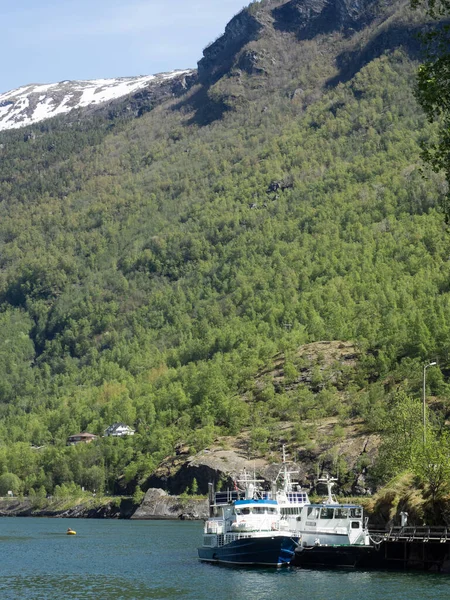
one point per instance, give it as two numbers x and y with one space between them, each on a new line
157 504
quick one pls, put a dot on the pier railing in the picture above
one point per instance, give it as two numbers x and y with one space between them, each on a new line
411 533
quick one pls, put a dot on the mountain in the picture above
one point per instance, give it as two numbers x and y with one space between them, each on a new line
34 103
175 263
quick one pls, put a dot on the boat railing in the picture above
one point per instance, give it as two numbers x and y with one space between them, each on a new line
227 497
214 526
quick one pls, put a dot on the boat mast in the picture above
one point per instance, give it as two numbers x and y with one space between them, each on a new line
329 482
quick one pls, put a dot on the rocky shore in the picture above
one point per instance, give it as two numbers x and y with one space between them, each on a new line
24 507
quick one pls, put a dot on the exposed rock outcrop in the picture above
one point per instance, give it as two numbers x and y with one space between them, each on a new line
219 56
308 18
177 474
304 18
157 504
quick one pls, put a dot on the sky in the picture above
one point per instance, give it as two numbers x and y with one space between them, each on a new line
47 41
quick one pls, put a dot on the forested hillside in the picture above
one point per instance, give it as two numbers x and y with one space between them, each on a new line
151 268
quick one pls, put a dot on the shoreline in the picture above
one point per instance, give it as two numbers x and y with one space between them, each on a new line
156 505
84 508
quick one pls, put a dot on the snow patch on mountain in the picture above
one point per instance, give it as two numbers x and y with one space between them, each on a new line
35 102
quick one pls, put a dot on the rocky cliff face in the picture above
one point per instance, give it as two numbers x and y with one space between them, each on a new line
304 18
264 47
219 56
308 18
157 504
208 466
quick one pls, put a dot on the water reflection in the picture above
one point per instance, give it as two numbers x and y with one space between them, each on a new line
80 588
265 584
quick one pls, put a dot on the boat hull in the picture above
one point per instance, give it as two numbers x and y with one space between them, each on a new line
262 551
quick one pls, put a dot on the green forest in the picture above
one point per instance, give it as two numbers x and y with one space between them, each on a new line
149 267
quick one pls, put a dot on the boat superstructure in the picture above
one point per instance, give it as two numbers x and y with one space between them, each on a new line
289 495
326 523
331 523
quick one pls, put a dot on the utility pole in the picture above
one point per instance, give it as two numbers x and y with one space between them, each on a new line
431 364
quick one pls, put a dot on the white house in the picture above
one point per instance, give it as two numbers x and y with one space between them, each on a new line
118 430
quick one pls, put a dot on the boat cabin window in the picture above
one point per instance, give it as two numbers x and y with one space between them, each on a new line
313 512
297 497
292 510
355 524
341 513
243 511
356 513
326 513
258 510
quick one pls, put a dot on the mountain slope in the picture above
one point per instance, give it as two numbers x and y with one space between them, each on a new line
34 103
151 268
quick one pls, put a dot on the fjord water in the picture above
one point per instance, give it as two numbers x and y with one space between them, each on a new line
112 560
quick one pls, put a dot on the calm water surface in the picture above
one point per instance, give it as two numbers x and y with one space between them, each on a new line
111 560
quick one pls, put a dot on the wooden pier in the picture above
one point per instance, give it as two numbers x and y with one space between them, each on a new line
412 547
398 548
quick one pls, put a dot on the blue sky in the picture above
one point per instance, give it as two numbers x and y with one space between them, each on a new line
45 41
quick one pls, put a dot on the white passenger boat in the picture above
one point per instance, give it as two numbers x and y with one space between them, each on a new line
331 523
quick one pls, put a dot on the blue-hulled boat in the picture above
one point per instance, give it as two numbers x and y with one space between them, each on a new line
247 531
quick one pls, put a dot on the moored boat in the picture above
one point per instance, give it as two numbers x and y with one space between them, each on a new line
326 523
330 523
247 531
